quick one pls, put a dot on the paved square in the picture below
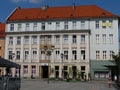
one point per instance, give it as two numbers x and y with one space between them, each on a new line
62 85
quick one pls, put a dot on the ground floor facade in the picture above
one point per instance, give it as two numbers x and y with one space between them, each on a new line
54 70
101 70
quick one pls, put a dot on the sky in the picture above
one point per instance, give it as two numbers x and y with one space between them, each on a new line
7 6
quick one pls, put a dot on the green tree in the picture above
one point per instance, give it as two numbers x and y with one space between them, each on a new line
117 63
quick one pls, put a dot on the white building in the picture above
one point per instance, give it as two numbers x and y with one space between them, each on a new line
80 33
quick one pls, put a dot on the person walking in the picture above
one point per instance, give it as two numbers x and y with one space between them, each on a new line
109 82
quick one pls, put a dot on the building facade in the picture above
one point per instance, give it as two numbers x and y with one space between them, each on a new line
78 38
2 42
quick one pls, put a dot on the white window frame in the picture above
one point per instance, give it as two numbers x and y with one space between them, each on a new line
42 39
83 55
65 39
27 27
11 27
74 54
18 55
26 40
57 25
66 25
34 55
74 25
57 39
57 54
18 40
10 40
82 24
74 39
35 26
82 39
19 27
26 54
34 39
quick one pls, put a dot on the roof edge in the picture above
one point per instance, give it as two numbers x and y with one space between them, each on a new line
12 13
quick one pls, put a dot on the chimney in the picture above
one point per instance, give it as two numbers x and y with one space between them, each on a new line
73 6
45 7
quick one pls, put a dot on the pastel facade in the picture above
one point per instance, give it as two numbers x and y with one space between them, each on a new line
2 43
81 37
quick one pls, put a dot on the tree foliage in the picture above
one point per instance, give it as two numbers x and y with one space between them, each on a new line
117 59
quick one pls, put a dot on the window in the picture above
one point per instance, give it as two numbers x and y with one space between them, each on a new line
33 70
19 27
42 55
34 55
97 39
10 55
97 24
18 55
26 55
27 26
18 40
83 54
25 70
10 40
57 39
74 24
104 38
43 26
111 38
57 25
11 27
66 54
42 39
82 24
74 41
104 55
83 39
57 52
34 40
82 68
74 55
97 55
49 25
26 39
110 23
34 26
65 39
66 25
111 55
49 39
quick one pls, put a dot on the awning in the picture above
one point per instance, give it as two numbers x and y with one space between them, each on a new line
7 63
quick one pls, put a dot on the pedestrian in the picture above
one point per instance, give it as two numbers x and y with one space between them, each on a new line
115 78
109 82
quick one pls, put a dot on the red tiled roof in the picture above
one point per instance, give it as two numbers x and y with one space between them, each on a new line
2 30
89 11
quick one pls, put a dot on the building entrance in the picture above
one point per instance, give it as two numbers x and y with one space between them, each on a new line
45 71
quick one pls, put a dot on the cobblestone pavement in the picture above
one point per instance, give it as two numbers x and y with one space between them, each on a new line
63 85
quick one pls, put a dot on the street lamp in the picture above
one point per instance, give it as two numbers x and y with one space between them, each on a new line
62 56
13 57
48 53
